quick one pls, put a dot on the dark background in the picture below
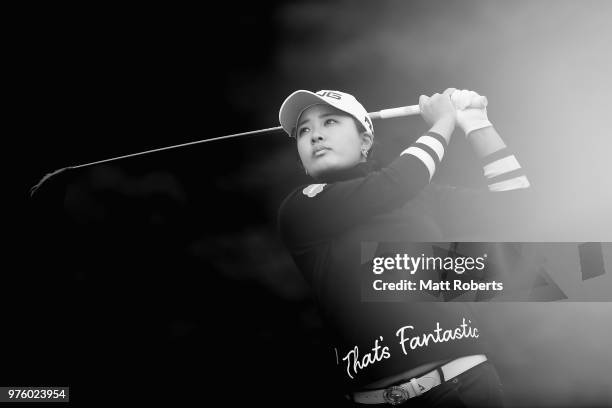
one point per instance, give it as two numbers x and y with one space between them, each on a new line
164 274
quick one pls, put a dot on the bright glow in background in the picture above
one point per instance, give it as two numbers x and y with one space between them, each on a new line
544 65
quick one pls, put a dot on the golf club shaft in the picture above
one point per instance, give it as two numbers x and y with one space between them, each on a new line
382 114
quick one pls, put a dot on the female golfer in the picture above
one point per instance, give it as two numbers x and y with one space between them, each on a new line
387 352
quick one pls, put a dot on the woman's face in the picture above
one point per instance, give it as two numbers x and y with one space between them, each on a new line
328 140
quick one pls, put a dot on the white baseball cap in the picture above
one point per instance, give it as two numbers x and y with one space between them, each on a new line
299 101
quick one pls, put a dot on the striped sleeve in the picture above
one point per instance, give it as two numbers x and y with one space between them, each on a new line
429 149
503 171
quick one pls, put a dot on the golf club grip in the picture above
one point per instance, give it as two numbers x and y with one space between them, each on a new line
480 102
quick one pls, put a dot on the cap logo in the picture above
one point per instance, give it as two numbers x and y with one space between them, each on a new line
329 94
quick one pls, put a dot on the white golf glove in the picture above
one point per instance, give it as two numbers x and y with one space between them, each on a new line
469 119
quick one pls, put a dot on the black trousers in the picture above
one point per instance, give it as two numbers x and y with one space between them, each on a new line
477 387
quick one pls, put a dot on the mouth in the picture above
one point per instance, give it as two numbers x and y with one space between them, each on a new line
320 151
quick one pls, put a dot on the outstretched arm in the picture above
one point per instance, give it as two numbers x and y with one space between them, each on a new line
481 214
500 166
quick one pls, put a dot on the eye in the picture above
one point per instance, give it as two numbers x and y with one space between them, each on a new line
330 121
303 130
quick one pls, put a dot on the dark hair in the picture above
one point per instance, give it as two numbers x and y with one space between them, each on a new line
360 129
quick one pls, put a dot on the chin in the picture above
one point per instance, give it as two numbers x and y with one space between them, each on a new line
323 171
320 172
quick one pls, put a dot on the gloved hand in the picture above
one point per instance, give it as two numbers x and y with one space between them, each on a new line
469 119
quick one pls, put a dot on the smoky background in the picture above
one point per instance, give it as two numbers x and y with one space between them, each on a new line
167 269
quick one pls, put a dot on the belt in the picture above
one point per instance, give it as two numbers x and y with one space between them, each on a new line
399 394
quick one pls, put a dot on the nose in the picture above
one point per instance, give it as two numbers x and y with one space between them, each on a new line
316 136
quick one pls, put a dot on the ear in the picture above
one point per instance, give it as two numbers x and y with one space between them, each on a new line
366 140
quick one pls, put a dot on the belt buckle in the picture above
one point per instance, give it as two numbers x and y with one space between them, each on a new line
395 395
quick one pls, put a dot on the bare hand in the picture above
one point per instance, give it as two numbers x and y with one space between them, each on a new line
438 107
